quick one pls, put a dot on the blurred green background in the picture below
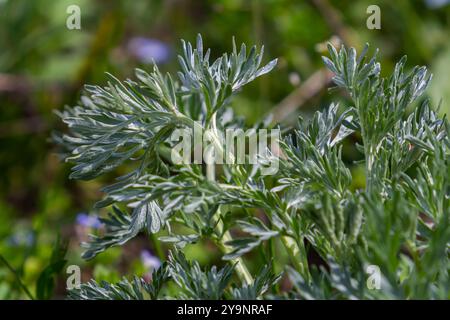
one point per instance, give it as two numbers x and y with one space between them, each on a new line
43 66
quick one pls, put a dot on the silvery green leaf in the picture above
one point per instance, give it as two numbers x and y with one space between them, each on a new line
267 68
180 240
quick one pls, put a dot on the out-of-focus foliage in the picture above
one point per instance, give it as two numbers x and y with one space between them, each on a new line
43 66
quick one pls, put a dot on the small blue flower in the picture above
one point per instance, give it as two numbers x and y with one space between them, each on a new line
89 221
149 261
149 50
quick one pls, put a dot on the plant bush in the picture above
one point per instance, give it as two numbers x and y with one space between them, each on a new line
398 223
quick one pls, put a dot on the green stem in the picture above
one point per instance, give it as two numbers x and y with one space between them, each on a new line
157 246
297 254
19 281
241 269
367 148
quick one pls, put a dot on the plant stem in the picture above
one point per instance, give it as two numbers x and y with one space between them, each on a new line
297 254
367 147
157 247
241 269
19 281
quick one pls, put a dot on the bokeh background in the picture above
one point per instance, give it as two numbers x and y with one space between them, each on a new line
43 66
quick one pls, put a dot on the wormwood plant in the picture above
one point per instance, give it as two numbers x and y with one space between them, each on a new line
398 224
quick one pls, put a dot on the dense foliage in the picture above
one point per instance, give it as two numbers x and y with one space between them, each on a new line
399 221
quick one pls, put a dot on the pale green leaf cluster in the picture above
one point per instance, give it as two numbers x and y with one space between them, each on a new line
398 222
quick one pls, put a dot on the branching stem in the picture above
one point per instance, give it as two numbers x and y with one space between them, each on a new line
241 269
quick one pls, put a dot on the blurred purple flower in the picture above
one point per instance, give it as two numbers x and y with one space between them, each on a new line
88 221
148 50
434 4
149 261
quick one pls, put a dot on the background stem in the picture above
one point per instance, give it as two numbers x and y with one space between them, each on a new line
19 281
